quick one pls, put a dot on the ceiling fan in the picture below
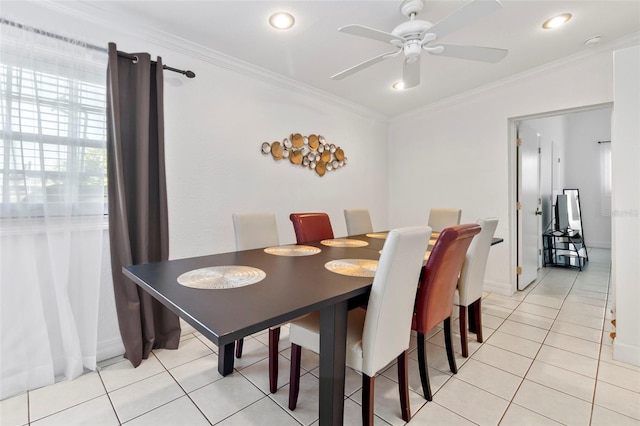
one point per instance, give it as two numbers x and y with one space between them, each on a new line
415 35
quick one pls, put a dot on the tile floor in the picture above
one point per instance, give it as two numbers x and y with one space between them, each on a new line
546 359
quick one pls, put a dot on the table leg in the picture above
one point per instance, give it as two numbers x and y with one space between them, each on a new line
333 342
225 359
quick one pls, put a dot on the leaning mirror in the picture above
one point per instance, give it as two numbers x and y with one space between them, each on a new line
573 210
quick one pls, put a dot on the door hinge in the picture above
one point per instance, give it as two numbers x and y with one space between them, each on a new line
518 206
519 270
518 142
539 150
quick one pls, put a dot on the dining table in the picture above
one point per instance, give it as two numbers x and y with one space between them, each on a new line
232 295
287 287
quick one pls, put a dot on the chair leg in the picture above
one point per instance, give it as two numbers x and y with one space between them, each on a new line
294 377
274 337
477 305
403 386
368 384
239 343
424 369
463 331
449 345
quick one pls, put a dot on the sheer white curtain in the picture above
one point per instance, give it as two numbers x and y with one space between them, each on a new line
52 189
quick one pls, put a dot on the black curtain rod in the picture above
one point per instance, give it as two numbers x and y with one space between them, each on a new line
604 141
187 73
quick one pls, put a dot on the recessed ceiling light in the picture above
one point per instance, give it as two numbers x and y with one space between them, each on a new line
282 20
556 21
398 85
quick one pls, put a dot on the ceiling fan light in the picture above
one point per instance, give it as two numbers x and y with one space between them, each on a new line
281 20
556 21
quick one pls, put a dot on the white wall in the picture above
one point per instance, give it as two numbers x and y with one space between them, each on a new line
215 126
582 171
625 200
457 153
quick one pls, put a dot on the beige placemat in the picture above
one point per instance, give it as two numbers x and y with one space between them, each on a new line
353 267
344 242
380 235
220 277
292 250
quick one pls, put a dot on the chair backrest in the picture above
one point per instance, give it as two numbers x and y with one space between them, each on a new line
311 227
387 325
434 302
444 218
358 221
471 278
255 230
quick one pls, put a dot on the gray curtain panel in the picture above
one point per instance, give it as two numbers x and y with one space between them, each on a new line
138 223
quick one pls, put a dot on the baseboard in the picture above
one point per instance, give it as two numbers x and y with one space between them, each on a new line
109 349
626 353
599 244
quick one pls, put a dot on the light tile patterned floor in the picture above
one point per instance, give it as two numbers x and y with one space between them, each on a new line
546 359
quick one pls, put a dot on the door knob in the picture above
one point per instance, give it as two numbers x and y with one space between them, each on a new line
538 212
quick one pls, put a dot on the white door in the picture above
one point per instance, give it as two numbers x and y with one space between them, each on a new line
529 234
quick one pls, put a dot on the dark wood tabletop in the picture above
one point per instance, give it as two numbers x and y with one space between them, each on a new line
293 286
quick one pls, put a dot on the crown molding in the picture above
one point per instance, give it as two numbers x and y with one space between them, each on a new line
623 42
92 13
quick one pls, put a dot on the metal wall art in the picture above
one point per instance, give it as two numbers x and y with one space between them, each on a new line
312 152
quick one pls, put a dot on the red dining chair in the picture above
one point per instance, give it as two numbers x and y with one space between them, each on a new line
434 302
311 227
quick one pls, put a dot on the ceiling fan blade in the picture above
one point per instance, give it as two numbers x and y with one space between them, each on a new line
473 53
411 73
464 16
354 69
367 32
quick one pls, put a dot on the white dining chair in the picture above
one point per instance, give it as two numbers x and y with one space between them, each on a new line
379 334
258 230
255 230
358 221
443 218
470 284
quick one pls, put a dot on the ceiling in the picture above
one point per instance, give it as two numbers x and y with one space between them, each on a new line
314 49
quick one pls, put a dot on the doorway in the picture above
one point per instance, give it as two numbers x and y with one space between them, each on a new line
568 154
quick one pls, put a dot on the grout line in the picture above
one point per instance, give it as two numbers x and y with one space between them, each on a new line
109 396
542 344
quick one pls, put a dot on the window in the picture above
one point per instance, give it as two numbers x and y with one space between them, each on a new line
52 137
